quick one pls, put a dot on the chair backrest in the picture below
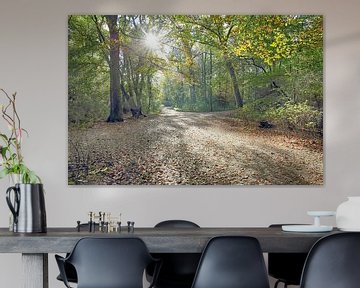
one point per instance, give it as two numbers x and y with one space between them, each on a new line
178 269
110 262
176 224
333 262
232 262
286 267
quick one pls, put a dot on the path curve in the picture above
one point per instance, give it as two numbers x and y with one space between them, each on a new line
189 148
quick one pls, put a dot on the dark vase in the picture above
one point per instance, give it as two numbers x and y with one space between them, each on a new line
27 204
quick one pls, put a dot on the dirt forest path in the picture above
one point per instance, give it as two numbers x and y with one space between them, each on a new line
190 148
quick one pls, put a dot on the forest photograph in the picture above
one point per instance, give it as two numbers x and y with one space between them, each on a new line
195 100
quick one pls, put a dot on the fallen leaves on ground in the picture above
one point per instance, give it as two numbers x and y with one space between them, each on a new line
191 148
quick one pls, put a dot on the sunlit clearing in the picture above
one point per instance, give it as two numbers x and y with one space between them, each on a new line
152 41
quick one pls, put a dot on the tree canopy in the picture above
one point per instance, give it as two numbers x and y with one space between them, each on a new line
266 66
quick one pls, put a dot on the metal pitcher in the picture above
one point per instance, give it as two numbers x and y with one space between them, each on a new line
27 207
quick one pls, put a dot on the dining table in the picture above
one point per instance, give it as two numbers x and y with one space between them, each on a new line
35 247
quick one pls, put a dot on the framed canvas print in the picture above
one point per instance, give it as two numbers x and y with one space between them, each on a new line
195 100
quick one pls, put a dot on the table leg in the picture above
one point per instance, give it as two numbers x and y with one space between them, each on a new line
35 270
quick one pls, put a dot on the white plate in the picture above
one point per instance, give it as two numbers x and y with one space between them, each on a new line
321 213
350 229
306 228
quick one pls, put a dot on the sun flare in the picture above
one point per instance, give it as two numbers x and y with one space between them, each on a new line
152 41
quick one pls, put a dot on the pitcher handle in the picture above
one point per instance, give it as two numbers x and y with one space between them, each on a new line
13 208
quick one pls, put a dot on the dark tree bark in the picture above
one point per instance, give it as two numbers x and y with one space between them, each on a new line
210 83
192 86
230 67
126 98
114 63
150 94
203 75
131 81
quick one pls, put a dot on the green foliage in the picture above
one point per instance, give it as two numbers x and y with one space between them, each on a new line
26 175
11 159
271 38
276 60
257 110
288 115
267 38
87 80
300 116
89 73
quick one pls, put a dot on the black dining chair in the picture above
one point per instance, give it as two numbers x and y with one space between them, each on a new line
108 263
333 262
286 267
232 262
178 269
70 271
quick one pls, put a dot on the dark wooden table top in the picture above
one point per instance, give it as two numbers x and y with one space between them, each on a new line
158 240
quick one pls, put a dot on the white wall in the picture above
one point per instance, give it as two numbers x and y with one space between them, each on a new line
33 62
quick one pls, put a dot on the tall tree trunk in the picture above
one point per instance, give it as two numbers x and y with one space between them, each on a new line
230 67
189 58
192 86
182 94
142 85
115 103
149 88
131 80
210 82
203 75
126 100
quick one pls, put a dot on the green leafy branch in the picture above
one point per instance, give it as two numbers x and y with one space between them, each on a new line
12 161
